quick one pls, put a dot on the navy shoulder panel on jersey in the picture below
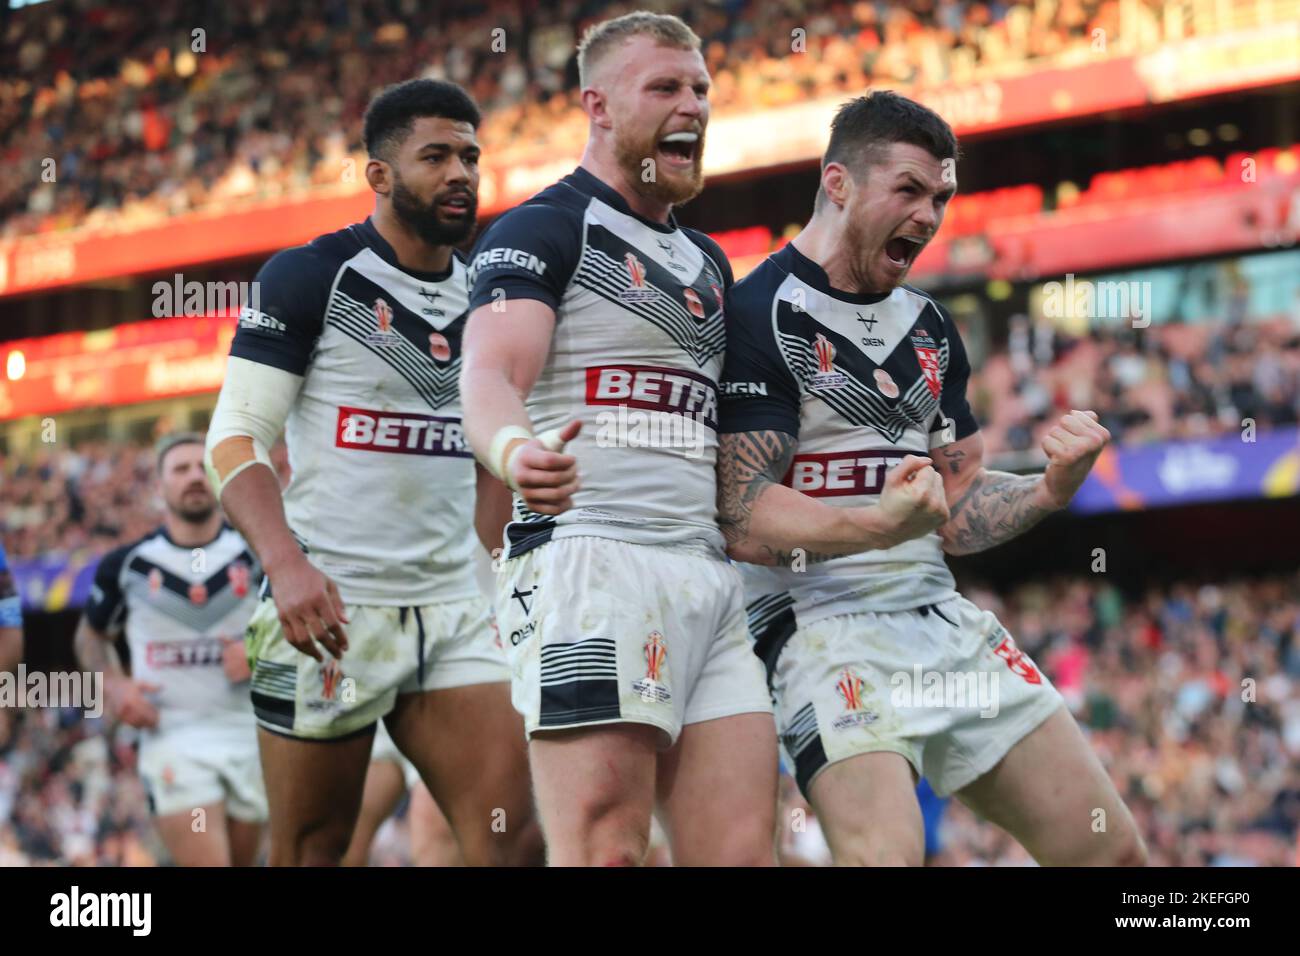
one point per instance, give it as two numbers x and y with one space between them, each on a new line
106 608
292 290
714 252
530 252
758 391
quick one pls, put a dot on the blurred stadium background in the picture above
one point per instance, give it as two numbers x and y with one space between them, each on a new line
1146 142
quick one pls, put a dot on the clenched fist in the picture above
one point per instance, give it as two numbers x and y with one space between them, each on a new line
1072 446
546 479
913 499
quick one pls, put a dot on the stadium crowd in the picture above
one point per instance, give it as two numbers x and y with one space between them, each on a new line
141 127
1163 382
1190 695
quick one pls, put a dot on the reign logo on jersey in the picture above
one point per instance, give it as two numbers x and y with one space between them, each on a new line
402 434
836 473
654 389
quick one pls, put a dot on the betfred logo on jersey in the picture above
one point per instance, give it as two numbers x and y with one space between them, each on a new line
202 652
836 473
400 433
655 389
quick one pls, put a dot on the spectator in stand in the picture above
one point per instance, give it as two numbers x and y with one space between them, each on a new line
144 118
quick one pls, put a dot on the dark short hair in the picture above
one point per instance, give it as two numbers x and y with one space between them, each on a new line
171 440
864 126
395 108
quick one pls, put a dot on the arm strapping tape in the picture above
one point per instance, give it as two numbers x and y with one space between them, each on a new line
254 404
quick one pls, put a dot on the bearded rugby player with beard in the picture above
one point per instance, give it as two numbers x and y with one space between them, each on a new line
355 350
622 617
839 380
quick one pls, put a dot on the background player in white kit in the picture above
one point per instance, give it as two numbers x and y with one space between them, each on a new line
355 352
624 621
183 594
835 372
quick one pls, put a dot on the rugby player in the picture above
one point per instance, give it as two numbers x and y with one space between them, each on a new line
372 610
624 622
11 619
836 371
183 594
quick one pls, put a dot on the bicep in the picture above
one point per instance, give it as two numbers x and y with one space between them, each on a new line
959 463
512 337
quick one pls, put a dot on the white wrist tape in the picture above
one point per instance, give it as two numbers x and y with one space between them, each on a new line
499 463
496 461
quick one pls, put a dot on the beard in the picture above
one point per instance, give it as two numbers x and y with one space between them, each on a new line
631 152
195 514
423 219
863 248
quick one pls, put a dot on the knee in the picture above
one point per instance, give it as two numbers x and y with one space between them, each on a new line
321 845
518 845
865 848
748 850
748 842
606 833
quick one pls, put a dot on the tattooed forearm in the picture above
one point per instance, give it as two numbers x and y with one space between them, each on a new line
952 458
995 508
747 463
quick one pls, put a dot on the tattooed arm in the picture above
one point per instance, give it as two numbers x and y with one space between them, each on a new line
990 507
766 522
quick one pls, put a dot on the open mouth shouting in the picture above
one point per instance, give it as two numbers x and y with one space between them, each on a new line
901 251
680 150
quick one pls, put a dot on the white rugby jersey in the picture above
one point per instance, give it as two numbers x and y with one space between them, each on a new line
861 381
635 356
382 495
175 603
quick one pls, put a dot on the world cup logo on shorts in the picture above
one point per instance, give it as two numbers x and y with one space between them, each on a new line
330 673
850 689
656 652
825 355
856 713
652 688
383 315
